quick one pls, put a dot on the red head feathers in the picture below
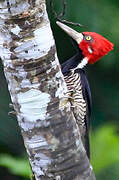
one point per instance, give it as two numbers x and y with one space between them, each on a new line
93 45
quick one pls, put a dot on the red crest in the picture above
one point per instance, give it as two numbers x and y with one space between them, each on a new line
94 46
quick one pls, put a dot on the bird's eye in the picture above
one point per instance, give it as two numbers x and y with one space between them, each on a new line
88 38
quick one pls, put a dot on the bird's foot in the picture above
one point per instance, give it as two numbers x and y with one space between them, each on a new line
12 113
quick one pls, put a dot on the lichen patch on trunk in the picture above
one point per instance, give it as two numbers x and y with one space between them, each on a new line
33 104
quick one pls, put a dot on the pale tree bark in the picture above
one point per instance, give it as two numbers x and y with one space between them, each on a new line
37 90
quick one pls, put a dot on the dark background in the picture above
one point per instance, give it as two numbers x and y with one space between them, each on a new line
101 17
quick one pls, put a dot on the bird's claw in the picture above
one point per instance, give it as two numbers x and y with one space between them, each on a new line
12 113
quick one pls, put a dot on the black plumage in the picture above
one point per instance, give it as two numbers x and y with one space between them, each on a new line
79 91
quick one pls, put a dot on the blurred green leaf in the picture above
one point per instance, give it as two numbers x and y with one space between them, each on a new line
109 173
17 166
105 148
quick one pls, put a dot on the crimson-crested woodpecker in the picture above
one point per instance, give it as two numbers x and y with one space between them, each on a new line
90 48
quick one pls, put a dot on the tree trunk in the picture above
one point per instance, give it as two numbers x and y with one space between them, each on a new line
37 90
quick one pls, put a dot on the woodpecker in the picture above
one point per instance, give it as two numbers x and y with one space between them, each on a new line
90 48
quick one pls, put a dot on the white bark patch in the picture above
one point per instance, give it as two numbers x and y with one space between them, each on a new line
37 170
16 30
38 46
4 52
48 71
44 38
25 126
58 177
55 63
36 141
55 142
58 75
33 104
40 160
21 7
26 83
91 167
43 160
16 7
62 85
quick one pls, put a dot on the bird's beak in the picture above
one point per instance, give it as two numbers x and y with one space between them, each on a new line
78 37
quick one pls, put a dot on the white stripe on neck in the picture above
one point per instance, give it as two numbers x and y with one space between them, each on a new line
82 63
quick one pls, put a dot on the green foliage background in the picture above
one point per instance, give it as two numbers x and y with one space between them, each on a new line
101 17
